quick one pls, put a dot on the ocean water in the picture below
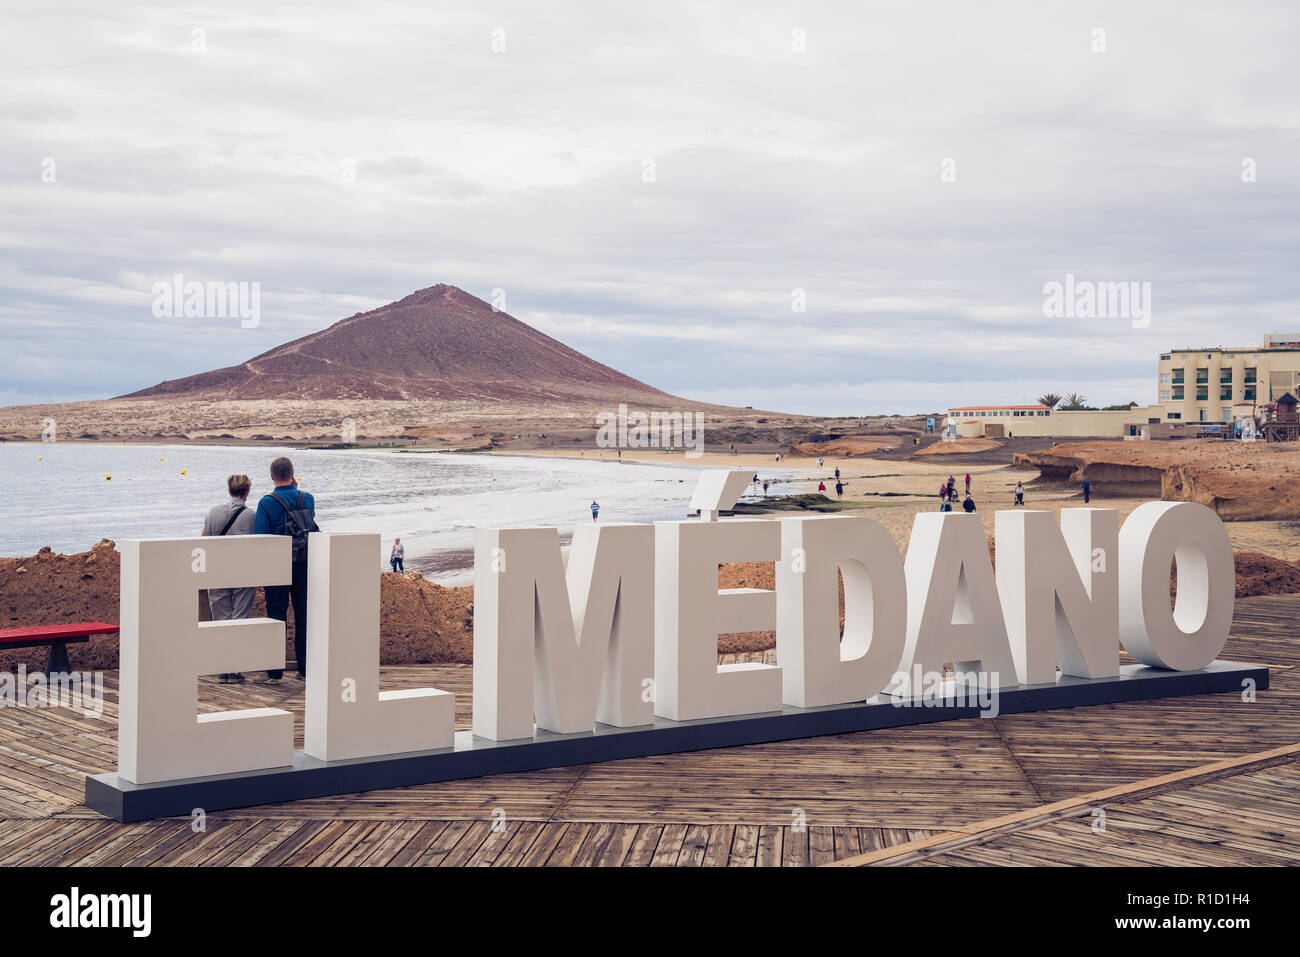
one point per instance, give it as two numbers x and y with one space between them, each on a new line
57 494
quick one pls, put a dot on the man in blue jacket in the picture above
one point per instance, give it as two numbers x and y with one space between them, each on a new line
274 518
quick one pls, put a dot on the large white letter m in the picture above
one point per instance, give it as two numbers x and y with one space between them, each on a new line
571 648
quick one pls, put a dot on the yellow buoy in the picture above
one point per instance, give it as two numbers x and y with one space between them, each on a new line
494 478
160 458
108 477
183 471
40 458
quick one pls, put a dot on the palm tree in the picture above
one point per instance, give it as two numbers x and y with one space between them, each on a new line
1074 402
1049 400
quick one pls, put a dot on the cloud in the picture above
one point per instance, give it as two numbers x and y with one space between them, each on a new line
659 187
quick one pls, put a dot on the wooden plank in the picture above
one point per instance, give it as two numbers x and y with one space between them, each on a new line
444 843
570 842
473 838
318 843
821 845
694 843
419 842
517 850
744 846
280 832
498 839
543 845
769 846
1105 796
397 837
795 847
669 848
719 850
352 837
644 845
292 841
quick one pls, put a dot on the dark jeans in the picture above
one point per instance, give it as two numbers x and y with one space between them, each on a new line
397 564
277 607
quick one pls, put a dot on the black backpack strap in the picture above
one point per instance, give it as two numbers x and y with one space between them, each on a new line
288 509
238 512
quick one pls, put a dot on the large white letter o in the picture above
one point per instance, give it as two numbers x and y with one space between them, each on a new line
1190 634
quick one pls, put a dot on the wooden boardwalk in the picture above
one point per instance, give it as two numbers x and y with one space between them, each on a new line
928 795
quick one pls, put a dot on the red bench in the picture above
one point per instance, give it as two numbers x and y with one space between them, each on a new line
58 637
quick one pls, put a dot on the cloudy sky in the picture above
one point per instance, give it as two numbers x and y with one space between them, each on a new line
661 186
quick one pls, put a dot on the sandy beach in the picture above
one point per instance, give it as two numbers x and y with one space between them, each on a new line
895 491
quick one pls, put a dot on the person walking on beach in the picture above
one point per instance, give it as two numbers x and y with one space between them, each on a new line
821 486
595 510
839 489
968 504
764 488
837 473
231 517
396 555
1087 491
820 461
952 488
1020 494
968 483
288 511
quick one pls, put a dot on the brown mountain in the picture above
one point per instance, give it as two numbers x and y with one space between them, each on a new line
438 343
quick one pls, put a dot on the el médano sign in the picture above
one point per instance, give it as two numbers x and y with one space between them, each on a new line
614 654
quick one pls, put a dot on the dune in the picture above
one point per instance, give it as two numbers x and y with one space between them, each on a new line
1240 481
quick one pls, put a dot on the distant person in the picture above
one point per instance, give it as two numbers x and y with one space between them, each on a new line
231 517
968 482
968 504
821 486
288 511
1020 494
943 493
595 510
765 488
1087 491
837 473
839 489
396 555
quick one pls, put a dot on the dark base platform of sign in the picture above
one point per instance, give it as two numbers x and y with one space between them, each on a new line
475 757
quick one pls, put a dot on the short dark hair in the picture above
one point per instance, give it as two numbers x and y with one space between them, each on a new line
239 485
281 469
